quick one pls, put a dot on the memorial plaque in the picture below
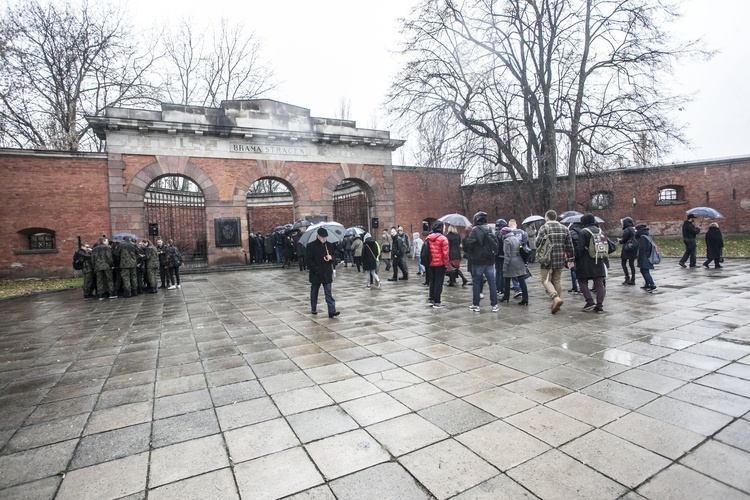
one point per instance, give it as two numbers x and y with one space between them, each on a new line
227 232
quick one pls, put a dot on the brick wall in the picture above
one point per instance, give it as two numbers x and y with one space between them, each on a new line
424 194
62 193
721 184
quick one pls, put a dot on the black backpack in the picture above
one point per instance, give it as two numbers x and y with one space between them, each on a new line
425 256
77 261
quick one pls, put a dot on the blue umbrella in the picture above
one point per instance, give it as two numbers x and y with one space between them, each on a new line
121 236
705 212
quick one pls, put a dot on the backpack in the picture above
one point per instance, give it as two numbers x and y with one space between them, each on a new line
77 261
654 257
598 245
544 252
425 255
490 246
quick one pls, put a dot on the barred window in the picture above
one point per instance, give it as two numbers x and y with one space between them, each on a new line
602 199
41 241
668 194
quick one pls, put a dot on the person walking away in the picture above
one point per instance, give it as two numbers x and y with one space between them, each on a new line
513 265
575 234
454 254
357 249
398 254
629 250
439 264
645 247
588 267
128 263
557 236
370 257
385 249
320 263
482 246
500 257
175 261
87 267
287 251
714 246
152 265
416 252
103 262
689 234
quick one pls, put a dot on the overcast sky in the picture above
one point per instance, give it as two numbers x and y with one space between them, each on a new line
327 50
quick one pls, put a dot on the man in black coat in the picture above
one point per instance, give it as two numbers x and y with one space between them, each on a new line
320 263
689 232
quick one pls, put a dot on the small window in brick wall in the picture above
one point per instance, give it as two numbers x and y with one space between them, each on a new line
41 241
601 200
671 195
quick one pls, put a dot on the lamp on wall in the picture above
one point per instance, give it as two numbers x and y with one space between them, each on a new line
633 200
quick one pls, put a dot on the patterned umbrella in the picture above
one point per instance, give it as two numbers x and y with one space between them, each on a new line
335 232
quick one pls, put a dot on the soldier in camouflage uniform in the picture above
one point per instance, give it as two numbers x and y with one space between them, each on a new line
128 261
84 254
103 261
152 265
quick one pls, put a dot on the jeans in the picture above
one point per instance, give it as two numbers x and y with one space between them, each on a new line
314 290
499 279
420 267
583 285
477 272
691 251
646 273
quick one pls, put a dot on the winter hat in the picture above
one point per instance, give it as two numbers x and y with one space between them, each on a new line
322 232
506 230
691 216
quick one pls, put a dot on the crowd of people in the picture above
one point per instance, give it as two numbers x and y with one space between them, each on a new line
499 258
127 268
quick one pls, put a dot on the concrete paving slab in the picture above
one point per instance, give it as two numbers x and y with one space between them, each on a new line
546 406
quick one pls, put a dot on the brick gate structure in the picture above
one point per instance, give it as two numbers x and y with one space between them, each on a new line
221 150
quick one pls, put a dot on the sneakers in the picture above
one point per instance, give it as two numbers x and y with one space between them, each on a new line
438 305
517 294
495 308
113 296
598 309
557 303
651 288
378 283
589 307
178 286
368 286
474 308
481 295
173 287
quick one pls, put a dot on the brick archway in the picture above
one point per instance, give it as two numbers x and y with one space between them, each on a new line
172 166
274 169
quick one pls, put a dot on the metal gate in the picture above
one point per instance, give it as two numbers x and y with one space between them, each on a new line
176 205
350 206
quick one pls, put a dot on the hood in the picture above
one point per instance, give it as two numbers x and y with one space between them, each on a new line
642 229
588 220
438 227
627 222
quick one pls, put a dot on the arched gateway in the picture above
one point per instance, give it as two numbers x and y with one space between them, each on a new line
330 167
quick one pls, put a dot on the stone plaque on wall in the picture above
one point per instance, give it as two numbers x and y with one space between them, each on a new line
227 232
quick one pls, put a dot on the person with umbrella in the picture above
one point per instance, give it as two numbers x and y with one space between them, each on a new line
320 263
714 245
689 233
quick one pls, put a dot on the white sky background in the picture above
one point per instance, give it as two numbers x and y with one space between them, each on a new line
326 50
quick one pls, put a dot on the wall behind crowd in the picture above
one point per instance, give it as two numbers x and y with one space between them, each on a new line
721 184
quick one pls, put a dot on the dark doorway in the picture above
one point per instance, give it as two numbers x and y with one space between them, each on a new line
350 205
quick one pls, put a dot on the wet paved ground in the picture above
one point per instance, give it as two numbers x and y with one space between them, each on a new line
230 388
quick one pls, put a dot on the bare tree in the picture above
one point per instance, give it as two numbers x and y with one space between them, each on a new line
544 83
222 63
344 110
61 62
